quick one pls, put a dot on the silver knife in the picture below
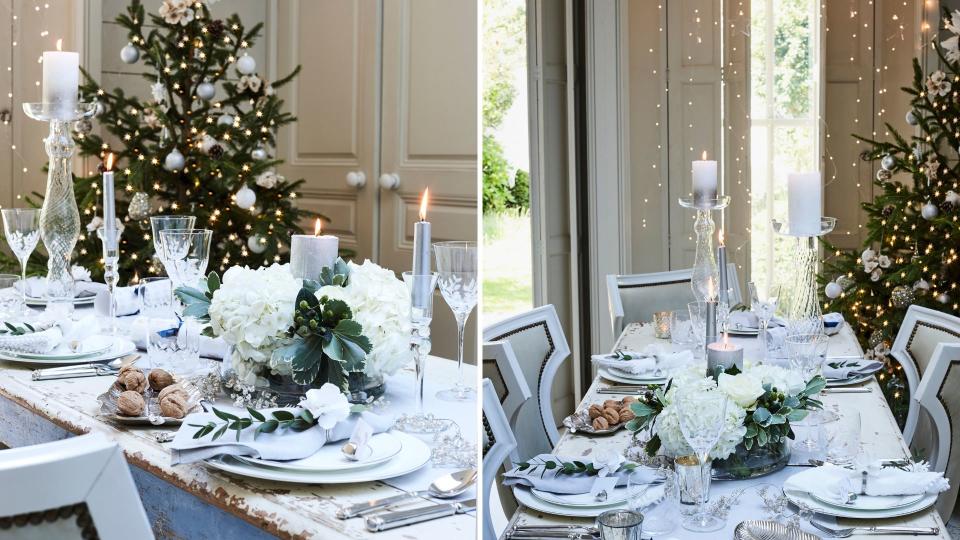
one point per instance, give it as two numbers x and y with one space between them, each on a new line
392 519
841 390
359 509
74 374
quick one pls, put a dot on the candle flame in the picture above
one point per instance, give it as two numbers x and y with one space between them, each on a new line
317 226
721 237
60 44
703 156
423 204
109 161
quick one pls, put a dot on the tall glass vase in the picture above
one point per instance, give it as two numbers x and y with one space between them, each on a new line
705 257
59 216
799 294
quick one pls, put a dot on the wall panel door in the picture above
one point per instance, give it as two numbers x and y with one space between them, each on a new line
429 134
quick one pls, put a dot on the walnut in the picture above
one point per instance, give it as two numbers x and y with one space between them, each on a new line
626 414
595 411
132 379
600 423
611 404
628 400
130 403
159 379
173 406
172 389
612 415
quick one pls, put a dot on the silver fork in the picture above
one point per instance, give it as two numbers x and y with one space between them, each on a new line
847 532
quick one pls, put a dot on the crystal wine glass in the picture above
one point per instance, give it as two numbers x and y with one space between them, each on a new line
22 229
162 223
764 308
457 270
702 418
187 253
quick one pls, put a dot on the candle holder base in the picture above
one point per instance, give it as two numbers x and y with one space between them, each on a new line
706 204
827 224
55 112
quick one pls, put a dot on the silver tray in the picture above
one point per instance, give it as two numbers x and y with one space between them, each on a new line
108 405
580 422
769 530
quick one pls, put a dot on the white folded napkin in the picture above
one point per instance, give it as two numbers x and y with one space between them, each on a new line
36 287
361 438
653 357
281 445
209 347
846 369
553 481
743 320
127 301
835 484
50 335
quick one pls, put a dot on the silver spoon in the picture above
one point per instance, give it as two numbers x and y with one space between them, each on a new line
445 487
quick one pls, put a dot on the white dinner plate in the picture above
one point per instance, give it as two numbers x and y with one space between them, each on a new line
526 498
77 301
415 454
90 346
796 498
743 331
617 497
874 503
121 347
619 376
330 458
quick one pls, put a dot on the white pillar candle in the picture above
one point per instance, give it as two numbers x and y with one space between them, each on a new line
311 253
704 180
724 354
109 205
421 253
804 203
61 75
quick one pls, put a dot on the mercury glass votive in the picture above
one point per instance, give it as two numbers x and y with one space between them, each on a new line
692 480
620 525
661 324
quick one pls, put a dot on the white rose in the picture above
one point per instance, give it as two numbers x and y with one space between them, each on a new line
743 389
327 404
607 461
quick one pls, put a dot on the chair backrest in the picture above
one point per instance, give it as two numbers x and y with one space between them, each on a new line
500 366
937 396
537 340
84 477
636 297
922 330
498 443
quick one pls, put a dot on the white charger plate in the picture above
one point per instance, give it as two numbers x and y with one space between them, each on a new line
77 301
528 499
415 454
874 503
90 346
121 347
617 377
618 496
925 502
330 458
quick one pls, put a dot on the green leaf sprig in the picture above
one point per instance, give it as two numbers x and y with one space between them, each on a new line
14 330
566 467
280 419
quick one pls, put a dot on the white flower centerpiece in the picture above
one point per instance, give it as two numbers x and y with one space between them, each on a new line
351 328
762 401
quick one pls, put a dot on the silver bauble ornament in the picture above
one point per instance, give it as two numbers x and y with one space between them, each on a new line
246 64
98 109
929 211
875 338
943 298
832 290
246 197
884 175
845 282
257 243
901 296
225 120
174 160
206 90
83 126
259 154
888 162
129 54
912 118
139 208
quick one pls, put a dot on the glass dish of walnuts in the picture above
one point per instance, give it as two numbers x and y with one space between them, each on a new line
601 418
148 397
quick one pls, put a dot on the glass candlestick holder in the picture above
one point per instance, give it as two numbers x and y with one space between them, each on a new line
421 287
799 294
705 257
59 216
111 275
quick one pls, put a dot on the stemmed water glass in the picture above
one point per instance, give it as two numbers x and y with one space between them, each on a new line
163 223
457 270
764 308
702 418
186 253
21 226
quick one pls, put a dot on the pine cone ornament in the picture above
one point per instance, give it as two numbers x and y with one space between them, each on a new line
139 206
215 28
884 175
216 151
887 210
83 126
946 206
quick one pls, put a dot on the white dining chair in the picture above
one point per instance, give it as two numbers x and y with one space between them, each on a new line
498 443
636 297
501 367
79 487
922 330
537 340
937 396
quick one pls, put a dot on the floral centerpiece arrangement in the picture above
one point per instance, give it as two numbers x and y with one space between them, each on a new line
762 402
289 334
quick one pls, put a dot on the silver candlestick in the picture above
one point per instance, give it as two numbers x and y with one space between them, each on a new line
420 287
111 260
799 294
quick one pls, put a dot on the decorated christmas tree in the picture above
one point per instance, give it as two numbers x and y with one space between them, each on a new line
201 145
910 252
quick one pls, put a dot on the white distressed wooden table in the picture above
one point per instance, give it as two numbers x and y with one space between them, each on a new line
196 502
880 436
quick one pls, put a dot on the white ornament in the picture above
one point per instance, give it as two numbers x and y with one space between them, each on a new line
953 198
259 154
246 197
912 118
888 162
225 120
921 285
257 243
207 142
174 160
129 54
246 64
206 90
943 298
929 211
832 290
